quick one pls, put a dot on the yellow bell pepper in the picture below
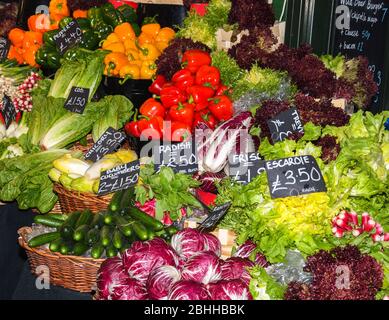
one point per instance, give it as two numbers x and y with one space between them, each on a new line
137 63
145 38
148 69
112 38
125 31
165 34
161 45
114 62
116 47
148 52
132 54
130 44
151 29
130 71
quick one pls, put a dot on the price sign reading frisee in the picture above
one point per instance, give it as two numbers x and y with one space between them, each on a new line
245 167
119 178
294 176
284 124
181 157
77 100
68 36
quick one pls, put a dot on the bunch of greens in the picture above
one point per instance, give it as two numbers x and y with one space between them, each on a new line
230 72
264 287
170 190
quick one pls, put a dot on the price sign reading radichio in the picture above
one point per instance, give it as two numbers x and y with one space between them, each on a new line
284 124
77 100
215 216
181 157
9 112
4 48
119 178
68 37
109 141
245 167
294 176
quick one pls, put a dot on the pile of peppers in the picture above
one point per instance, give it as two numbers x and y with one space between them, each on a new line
195 95
96 27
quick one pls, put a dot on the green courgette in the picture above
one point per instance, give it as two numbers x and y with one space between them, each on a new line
80 233
80 248
47 220
150 234
93 236
61 217
43 239
68 227
140 230
108 218
145 219
97 250
172 230
105 235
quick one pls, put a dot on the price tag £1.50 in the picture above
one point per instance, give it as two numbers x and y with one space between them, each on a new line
77 99
294 176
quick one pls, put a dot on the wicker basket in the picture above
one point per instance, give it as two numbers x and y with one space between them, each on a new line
56 209
71 272
72 201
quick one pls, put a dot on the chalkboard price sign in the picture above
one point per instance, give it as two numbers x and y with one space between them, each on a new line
68 36
294 176
284 124
4 48
181 157
119 178
109 141
77 100
215 216
245 167
9 112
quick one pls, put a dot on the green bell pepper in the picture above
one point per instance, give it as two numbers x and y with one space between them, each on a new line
95 13
64 22
53 60
48 37
41 56
111 16
103 30
72 54
84 24
136 28
128 13
90 40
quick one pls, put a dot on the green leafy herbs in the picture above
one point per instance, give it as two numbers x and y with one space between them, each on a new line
169 189
230 72
264 287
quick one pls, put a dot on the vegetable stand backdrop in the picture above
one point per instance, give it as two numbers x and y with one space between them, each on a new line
197 160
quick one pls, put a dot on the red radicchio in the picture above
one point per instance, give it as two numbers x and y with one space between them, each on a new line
160 281
212 243
229 290
204 267
188 290
246 250
236 268
187 242
143 257
131 290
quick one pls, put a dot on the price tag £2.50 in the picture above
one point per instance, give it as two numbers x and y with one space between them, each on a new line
294 176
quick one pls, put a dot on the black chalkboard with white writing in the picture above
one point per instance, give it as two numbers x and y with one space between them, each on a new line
243 168
68 36
284 124
9 112
4 48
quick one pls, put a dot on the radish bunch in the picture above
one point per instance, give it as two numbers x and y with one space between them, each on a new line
23 100
349 222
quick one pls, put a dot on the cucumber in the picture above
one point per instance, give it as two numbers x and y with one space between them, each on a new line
140 230
163 234
43 239
97 221
114 205
47 220
128 198
93 236
80 248
80 233
61 217
97 250
105 235
55 245
108 218
172 230
85 218
124 225
145 219
111 251
67 228
117 239
150 234
66 248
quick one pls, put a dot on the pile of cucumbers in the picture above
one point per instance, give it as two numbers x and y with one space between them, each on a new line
111 231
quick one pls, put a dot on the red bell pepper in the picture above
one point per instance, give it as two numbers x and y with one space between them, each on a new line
183 79
132 129
180 131
171 95
152 108
157 85
209 76
200 96
222 108
183 113
151 127
223 90
192 60
205 116
206 198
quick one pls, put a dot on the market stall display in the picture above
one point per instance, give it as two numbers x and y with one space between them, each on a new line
280 186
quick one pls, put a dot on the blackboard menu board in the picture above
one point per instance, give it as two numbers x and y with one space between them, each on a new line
68 36
284 124
245 167
9 112
361 29
77 99
4 48
215 215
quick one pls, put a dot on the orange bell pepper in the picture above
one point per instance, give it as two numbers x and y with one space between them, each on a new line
148 69
136 63
130 45
132 54
114 62
16 36
130 71
148 52
161 45
152 29
145 38
39 23
116 47
29 55
112 38
13 54
32 38
80 13
125 31
59 7
165 34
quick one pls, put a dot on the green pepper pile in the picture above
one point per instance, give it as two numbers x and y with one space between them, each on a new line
99 24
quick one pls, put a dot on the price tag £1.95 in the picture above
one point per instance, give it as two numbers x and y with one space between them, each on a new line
294 176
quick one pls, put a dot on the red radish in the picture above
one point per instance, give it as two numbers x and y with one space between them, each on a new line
339 233
343 215
377 238
378 228
365 220
354 218
386 236
357 232
343 224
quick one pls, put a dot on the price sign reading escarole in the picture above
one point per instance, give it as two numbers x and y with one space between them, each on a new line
215 215
181 157
294 176
77 100
119 178
284 124
109 141
4 48
68 36
245 167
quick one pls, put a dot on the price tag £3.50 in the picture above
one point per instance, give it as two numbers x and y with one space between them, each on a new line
294 176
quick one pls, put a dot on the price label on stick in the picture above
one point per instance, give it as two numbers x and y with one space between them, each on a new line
4 48
294 176
284 124
77 100
119 178
68 37
181 157
9 112
245 167
215 215
109 141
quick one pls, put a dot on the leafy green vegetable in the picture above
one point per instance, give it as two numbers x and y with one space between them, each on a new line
264 287
230 72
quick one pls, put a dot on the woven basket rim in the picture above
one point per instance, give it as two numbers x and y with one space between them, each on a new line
71 193
23 231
